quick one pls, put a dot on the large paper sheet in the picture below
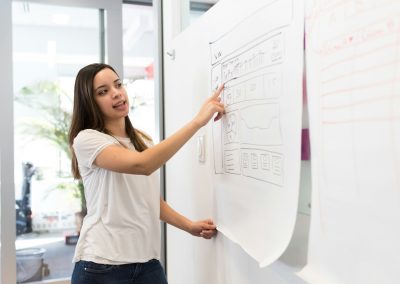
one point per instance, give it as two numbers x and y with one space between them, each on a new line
353 79
258 55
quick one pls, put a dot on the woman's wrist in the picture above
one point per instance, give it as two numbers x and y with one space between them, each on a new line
196 124
188 226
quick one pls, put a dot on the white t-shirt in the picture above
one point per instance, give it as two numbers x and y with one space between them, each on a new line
123 220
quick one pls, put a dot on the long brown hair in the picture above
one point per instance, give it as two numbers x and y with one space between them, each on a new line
87 115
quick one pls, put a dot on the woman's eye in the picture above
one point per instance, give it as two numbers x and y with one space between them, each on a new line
102 92
119 85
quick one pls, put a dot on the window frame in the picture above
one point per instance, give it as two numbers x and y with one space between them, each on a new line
7 186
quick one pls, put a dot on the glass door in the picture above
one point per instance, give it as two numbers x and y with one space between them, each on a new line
50 45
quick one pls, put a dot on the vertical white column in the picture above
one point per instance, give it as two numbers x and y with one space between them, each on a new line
114 47
7 198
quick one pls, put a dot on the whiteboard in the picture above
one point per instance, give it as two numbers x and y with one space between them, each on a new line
254 153
257 143
353 69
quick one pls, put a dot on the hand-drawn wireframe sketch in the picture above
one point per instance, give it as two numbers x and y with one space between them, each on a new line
262 165
257 54
252 75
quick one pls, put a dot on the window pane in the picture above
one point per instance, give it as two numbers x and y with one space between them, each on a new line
50 45
139 48
198 8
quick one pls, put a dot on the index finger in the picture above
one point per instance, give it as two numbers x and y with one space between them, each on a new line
218 91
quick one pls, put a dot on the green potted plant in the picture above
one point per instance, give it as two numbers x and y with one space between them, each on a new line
52 124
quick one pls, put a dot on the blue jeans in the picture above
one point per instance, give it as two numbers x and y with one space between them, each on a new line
87 272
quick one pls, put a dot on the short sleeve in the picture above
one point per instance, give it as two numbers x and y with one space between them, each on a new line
88 144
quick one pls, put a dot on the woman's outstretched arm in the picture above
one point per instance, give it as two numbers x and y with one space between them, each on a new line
122 160
202 228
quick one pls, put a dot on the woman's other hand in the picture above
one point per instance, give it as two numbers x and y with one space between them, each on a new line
203 228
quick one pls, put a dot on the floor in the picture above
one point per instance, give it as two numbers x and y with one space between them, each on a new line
58 255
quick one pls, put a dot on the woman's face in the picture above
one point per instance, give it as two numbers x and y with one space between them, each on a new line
110 95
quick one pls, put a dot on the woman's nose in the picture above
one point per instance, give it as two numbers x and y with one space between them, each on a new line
116 93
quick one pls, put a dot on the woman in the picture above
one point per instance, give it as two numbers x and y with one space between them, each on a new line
120 237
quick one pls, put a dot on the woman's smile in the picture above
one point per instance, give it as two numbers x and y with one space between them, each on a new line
121 105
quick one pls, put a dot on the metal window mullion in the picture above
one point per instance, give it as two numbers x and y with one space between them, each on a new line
139 2
7 195
199 6
159 111
102 36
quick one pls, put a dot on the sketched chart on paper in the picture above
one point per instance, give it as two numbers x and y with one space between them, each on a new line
371 76
353 66
358 85
248 141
